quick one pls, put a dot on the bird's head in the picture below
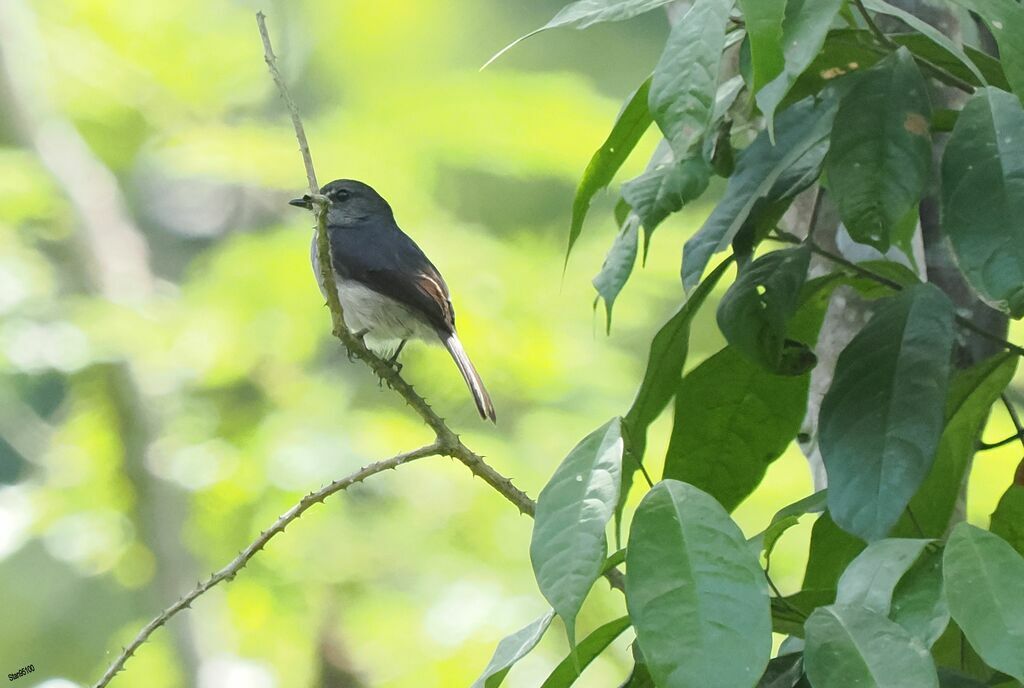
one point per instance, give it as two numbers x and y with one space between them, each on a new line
349 202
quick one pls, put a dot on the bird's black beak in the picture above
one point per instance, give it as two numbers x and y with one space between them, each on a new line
304 202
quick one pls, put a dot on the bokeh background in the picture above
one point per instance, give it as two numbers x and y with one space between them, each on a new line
168 385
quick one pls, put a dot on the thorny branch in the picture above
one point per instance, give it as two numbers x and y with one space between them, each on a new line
447 442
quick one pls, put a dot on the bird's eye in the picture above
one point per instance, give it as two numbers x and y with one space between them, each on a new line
342 195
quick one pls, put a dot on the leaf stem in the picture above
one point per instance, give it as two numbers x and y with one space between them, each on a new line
786 238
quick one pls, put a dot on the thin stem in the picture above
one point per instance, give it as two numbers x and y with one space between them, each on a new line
963 322
917 524
282 88
782 598
239 562
1011 410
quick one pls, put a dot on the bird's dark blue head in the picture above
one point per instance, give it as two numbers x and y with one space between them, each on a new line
351 202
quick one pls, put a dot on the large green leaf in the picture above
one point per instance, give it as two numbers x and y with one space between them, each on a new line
1008 518
971 394
569 547
617 266
511 649
852 646
883 415
629 127
584 13
983 197
733 419
1005 18
682 96
984 580
661 378
568 670
918 602
803 33
755 312
764 29
881 153
800 129
695 592
870 579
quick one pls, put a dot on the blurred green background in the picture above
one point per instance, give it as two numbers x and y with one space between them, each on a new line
164 400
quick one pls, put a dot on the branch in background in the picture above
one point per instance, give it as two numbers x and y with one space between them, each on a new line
1011 410
239 562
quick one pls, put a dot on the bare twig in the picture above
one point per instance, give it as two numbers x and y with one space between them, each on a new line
239 562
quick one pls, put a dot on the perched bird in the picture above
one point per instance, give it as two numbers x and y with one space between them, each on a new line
389 290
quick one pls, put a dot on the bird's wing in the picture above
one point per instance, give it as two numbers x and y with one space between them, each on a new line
388 261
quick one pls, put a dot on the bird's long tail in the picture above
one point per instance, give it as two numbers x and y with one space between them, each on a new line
473 381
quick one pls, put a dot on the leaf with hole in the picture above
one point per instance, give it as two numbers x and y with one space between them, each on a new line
1005 19
569 547
695 592
878 161
983 197
984 580
883 414
755 312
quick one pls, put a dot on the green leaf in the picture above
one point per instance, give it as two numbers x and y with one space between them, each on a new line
984 580
755 312
661 378
585 13
983 197
870 579
786 518
617 266
785 671
764 29
929 32
569 547
790 612
568 670
682 96
918 602
850 646
1008 518
733 419
883 415
695 592
803 33
881 153
971 394
801 128
831 550
511 649
665 189
629 127
1005 18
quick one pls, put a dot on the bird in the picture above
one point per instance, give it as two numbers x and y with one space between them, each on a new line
389 290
